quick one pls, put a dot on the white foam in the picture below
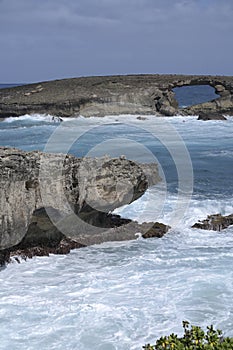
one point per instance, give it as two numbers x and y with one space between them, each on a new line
219 153
145 209
122 295
108 118
32 117
119 295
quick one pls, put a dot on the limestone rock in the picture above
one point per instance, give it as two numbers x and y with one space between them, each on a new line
34 184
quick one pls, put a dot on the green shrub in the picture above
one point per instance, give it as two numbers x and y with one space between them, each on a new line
194 338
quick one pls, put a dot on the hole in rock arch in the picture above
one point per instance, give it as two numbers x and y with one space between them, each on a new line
190 95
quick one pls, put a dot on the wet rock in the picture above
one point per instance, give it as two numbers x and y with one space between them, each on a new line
23 252
123 229
156 230
215 222
130 231
210 116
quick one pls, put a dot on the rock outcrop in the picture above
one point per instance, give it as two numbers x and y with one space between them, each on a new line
215 222
49 200
99 96
210 116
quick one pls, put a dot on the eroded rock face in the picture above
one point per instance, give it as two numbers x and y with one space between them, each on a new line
100 96
45 193
215 222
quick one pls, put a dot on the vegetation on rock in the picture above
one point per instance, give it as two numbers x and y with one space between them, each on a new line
194 338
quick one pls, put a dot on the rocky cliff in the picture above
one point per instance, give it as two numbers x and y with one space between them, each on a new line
98 96
45 198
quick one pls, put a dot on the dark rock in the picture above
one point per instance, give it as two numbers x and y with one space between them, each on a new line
63 247
141 118
210 116
126 230
100 219
4 257
66 245
157 230
41 231
215 222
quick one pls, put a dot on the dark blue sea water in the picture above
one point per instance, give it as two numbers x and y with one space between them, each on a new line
192 95
6 86
123 295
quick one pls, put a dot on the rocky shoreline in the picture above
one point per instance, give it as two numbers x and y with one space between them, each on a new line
129 94
52 203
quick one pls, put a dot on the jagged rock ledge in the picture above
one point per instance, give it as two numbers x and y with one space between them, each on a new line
215 222
210 116
129 94
51 203
25 249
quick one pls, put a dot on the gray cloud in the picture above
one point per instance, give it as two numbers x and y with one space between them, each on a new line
51 39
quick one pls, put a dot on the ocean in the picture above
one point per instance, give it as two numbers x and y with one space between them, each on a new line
121 295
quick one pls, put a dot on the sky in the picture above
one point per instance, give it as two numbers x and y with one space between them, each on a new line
54 39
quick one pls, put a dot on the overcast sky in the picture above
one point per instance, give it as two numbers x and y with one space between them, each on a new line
52 39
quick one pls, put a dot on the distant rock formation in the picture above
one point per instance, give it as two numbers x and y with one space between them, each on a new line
215 222
100 96
57 201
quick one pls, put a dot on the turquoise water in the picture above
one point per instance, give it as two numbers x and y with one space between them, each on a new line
123 295
208 144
